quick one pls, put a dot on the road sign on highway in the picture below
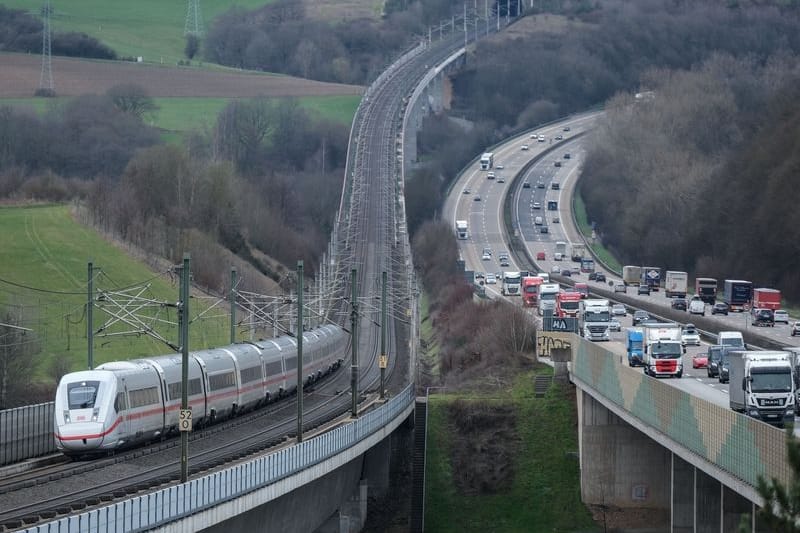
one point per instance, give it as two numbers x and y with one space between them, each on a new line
560 324
185 420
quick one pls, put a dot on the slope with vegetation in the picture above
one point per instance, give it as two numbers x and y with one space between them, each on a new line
707 171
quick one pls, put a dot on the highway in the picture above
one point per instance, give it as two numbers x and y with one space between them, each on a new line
486 230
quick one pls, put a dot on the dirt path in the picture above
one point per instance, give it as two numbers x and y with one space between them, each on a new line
72 77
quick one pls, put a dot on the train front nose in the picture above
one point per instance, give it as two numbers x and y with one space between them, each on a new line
80 436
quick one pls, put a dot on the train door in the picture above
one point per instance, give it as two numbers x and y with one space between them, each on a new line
121 404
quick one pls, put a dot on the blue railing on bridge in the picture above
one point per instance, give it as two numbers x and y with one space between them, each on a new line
743 447
175 502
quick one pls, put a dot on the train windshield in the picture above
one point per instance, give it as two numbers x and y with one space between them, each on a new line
82 395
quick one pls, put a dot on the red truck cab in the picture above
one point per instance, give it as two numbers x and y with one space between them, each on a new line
568 304
530 290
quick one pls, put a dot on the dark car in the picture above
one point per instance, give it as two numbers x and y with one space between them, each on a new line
719 308
540 185
557 163
592 275
567 156
679 304
526 185
639 317
643 289
723 373
600 277
543 229
714 357
763 317
555 186
566 272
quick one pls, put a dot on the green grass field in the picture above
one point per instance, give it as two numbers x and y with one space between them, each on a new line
586 230
43 248
152 29
545 492
179 115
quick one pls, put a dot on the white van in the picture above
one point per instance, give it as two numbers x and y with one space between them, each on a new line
697 306
731 338
537 221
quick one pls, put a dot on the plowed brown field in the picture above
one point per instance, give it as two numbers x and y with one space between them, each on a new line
19 78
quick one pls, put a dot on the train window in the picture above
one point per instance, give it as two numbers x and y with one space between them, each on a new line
251 374
291 363
174 389
120 403
307 357
83 394
141 397
221 381
274 369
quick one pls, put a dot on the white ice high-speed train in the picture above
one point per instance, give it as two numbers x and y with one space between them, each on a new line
124 403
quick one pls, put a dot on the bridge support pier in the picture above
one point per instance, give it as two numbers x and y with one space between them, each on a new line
702 504
684 495
620 466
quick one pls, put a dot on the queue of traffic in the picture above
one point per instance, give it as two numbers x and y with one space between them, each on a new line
764 387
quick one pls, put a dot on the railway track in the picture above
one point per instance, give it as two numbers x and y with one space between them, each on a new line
66 488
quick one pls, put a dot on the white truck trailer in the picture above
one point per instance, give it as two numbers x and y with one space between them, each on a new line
663 350
761 385
675 284
631 275
462 229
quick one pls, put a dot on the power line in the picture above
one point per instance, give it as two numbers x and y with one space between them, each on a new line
46 76
37 289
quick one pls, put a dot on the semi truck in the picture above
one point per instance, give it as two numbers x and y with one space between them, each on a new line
561 250
631 275
587 265
568 304
596 320
762 386
675 284
635 347
651 276
487 161
461 229
663 350
766 299
737 294
706 289
547 297
511 283
578 252
530 290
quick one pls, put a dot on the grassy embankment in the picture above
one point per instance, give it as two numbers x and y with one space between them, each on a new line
544 494
586 230
152 29
44 248
429 355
